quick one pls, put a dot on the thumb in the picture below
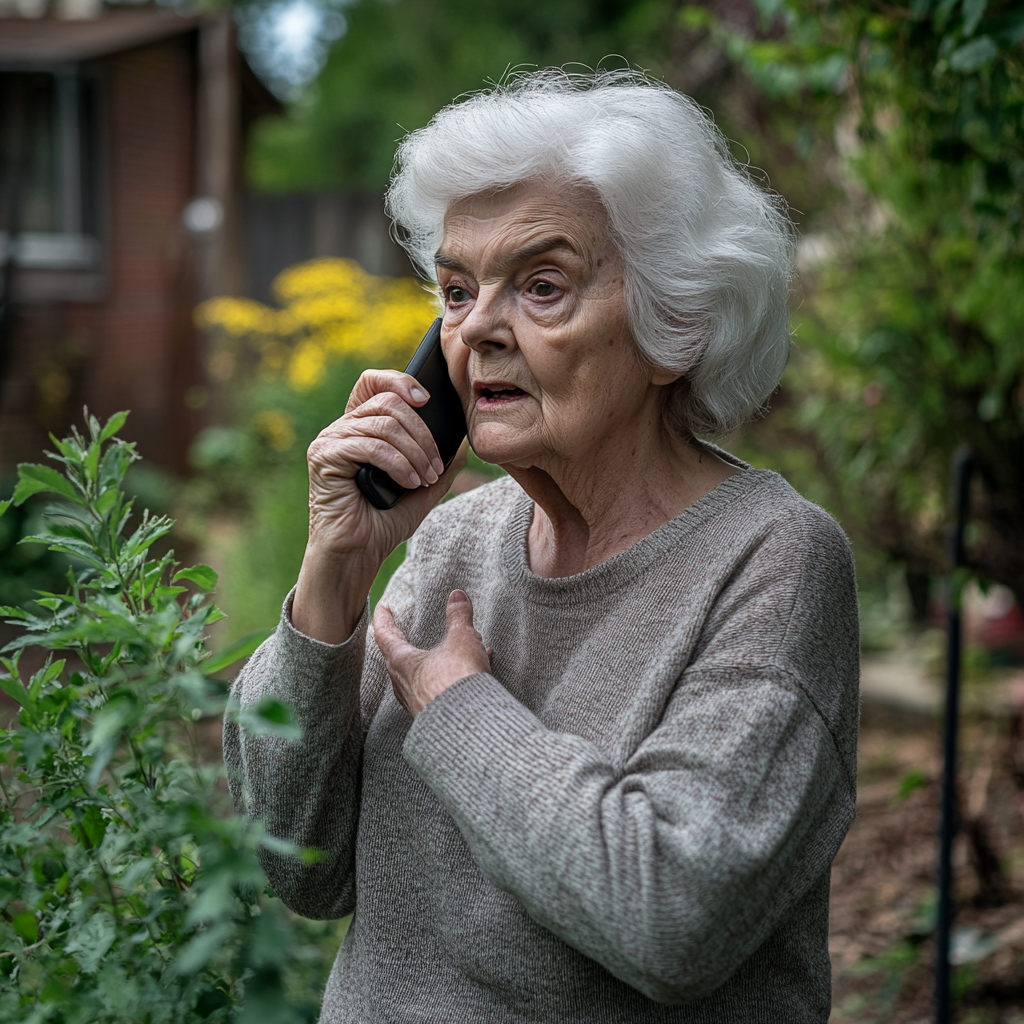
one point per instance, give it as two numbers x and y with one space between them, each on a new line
459 611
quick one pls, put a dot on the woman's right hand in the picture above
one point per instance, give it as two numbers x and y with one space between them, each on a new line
348 537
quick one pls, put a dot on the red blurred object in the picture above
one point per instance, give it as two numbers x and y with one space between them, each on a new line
996 623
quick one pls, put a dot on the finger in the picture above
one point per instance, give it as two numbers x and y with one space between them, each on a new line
391 405
390 638
421 500
394 406
388 428
374 382
459 615
328 457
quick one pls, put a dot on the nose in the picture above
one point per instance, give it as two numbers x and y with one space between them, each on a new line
488 325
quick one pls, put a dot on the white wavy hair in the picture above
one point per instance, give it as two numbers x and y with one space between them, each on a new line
707 254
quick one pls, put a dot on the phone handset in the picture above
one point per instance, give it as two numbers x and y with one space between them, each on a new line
443 415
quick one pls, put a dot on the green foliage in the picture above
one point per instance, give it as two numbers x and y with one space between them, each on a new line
911 340
25 568
400 61
893 965
129 892
250 496
911 782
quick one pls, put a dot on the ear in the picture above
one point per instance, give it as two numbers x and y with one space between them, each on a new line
662 376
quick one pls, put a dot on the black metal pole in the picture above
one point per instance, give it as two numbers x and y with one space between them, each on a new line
962 465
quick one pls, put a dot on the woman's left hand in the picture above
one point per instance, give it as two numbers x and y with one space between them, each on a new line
419 676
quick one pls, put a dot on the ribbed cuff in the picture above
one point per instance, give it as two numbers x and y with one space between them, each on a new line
304 668
286 627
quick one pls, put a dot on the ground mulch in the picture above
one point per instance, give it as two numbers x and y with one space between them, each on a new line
883 880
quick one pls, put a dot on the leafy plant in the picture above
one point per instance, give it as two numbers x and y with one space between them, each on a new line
128 889
910 338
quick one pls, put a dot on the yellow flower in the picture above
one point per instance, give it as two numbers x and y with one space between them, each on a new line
330 308
276 427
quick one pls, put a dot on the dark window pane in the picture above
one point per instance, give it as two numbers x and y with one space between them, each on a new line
28 160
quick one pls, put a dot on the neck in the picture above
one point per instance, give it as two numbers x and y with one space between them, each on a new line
591 509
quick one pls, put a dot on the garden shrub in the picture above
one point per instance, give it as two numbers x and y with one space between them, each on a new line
129 891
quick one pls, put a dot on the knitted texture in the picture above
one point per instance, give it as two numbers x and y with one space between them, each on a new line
630 820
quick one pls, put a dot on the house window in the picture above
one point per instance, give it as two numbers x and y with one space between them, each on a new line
48 161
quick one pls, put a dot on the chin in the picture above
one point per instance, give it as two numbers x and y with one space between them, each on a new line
496 446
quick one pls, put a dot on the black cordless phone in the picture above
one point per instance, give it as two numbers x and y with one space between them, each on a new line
443 416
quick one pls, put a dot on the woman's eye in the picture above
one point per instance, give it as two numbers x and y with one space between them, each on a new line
457 294
543 289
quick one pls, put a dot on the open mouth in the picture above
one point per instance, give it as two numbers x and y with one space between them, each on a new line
495 394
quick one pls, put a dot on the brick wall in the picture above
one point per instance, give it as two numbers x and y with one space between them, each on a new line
137 348
148 355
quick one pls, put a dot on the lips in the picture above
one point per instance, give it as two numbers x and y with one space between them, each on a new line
498 393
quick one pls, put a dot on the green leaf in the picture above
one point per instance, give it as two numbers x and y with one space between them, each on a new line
107 500
114 424
973 56
90 943
199 951
92 461
92 828
33 478
26 925
121 709
45 675
202 576
68 530
973 11
241 648
269 718
15 689
4 506
911 781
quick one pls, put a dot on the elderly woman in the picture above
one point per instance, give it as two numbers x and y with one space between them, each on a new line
595 756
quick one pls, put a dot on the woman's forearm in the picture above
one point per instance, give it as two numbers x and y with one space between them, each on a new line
331 594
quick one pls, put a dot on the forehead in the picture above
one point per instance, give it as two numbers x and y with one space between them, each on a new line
495 223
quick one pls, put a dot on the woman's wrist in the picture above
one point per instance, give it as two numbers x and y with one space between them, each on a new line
331 594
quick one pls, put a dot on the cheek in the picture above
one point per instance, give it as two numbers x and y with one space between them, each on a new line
456 355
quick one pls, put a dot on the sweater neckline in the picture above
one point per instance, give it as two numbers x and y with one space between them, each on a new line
617 571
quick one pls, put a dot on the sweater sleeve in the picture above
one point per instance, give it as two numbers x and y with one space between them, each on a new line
672 869
303 791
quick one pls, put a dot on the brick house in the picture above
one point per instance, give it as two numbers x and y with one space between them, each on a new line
121 137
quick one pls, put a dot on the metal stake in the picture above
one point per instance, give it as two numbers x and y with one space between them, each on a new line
962 466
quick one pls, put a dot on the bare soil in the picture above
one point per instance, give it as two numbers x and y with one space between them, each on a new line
883 880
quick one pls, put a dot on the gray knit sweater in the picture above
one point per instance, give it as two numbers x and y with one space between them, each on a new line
631 820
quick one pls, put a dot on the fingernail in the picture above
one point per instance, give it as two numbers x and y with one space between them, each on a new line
414 480
418 395
438 466
431 476
457 597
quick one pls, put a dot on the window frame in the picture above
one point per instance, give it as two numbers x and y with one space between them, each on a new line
69 264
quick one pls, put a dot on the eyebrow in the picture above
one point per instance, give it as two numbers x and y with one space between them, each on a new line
516 257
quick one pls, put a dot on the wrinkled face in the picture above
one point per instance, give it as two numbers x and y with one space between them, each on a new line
535 330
